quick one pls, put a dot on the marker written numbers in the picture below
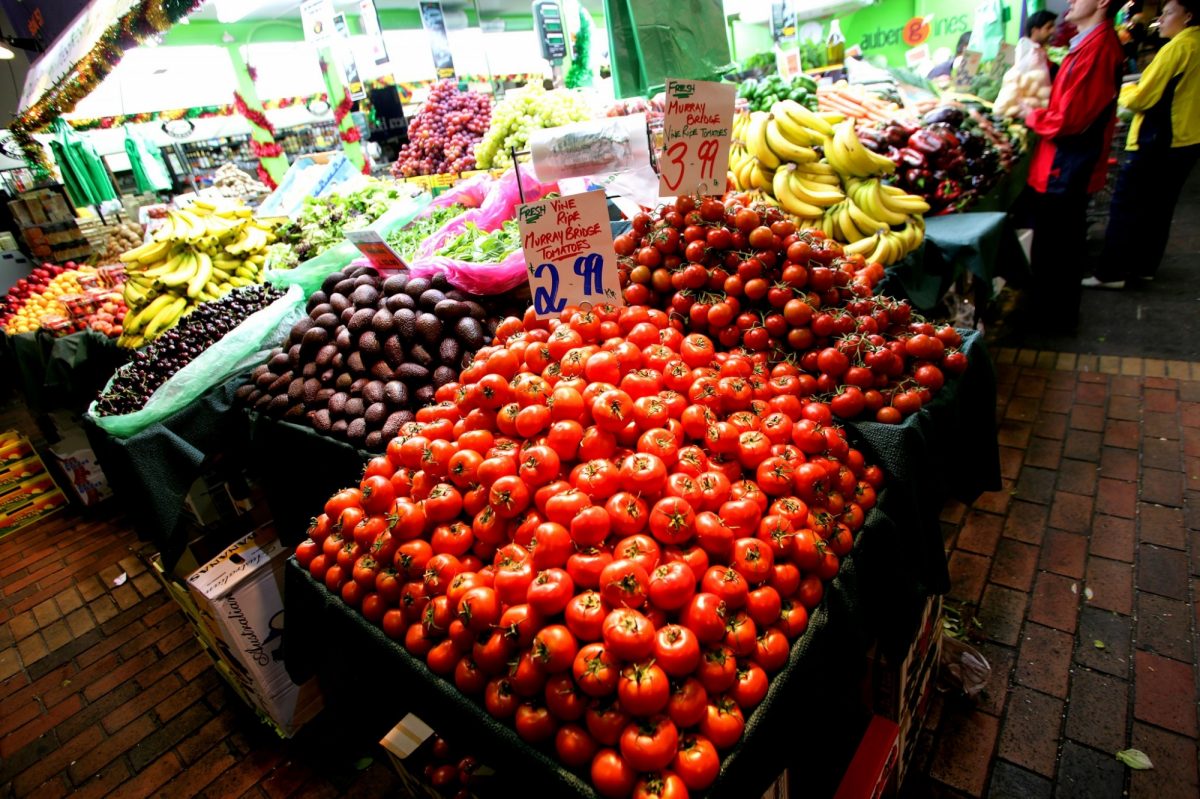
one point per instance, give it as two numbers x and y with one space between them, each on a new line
569 254
376 250
696 134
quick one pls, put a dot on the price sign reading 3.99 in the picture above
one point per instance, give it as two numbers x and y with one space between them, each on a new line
696 131
569 255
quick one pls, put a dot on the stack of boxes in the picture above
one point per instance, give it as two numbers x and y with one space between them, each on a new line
235 604
27 491
49 227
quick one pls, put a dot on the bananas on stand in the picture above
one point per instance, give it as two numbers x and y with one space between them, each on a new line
198 255
837 190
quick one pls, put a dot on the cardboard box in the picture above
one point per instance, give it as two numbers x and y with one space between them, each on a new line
239 601
82 472
20 471
26 502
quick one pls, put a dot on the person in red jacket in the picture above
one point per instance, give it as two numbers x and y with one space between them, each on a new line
1071 159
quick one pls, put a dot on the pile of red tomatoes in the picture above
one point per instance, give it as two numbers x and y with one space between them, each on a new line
608 532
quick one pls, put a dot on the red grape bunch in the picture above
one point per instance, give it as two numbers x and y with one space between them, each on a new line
443 135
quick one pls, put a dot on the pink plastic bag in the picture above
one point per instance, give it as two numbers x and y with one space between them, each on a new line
497 207
470 193
482 279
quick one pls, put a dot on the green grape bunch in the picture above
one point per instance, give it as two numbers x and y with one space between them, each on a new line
516 117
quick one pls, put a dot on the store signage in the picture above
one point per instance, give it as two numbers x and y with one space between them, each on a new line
345 58
916 31
696 133
783 21
434 22
569 254
548 24
318 107
376 250
368 15
316 17
75 42
178 128
10 148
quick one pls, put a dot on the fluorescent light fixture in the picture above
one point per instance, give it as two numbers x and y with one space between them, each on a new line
233 10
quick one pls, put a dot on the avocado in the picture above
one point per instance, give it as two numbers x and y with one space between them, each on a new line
382 370
355 363
430 299
417 286
395 283
355 407
361 320
325 355
425 394
331 280
320 420
412 373
368 343
395 392
357 430
365 296
375 414
338 428
329 321
295 390
450 310
381 322
405 321
337 403
443 375
419 354
469 331
429 328
450 352
393 350
374 441
338 302
373 391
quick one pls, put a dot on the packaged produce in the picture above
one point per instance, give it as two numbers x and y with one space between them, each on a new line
517 115
443 135
58 299
229 181
125 236
371 350
199 254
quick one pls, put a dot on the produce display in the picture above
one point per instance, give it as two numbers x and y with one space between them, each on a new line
837 189
199 254
950 157
515 117
483 247
799 298
855 102
763 94
231 182
322 223
372 349
406 240
61 300
443 135
160 360
611 566
125 236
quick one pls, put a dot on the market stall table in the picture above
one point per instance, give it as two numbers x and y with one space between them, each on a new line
56 372
897 562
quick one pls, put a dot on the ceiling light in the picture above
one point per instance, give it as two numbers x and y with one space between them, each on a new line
6 53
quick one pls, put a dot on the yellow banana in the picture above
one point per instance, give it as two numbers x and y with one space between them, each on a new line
184 273
806 118
850 231
782 188
869 197
135 322
864 221
793 130
815 193
900 201
166 318
862 246
756 140
787 150
204 272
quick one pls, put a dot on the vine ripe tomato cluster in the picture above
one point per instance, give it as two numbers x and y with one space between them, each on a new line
744 275
608 532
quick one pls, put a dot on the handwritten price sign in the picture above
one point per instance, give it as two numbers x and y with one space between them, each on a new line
569 253
376 250
696 132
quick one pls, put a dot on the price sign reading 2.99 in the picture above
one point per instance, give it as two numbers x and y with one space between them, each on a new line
569 254
696 132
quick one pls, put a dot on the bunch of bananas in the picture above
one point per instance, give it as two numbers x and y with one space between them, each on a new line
836 189
198 255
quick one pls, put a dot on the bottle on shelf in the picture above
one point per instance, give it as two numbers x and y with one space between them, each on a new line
835 45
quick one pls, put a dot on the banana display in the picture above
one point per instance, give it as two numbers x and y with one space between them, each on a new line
836 189
199 254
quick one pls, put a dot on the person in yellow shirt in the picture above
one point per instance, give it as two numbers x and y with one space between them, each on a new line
1164 145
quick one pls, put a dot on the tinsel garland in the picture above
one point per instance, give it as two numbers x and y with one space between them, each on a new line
253 116
147 19
266 149
265 177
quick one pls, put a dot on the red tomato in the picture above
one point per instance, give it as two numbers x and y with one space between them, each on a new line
605 722
722 723
688 703
534 723
628 635
671 585
677 650
696 762
660 785
649 744
611 775
574 745
643 689
554 648
564 699
705 616
751 686
550 591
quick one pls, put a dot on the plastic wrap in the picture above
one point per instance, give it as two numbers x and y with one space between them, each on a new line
245 346
595 147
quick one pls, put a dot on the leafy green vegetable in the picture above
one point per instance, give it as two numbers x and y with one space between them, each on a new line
1135 759
407 240
322 223
478 247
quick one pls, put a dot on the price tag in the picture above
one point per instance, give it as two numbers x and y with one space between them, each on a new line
696 134
569 252
376 250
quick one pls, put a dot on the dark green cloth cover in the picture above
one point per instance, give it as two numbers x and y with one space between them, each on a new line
946 450
299 469
152 471
61 371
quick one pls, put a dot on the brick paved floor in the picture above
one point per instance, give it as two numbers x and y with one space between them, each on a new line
1094 538
1083 572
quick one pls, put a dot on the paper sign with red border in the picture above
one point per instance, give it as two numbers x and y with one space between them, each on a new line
376 250
569 254
696 136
